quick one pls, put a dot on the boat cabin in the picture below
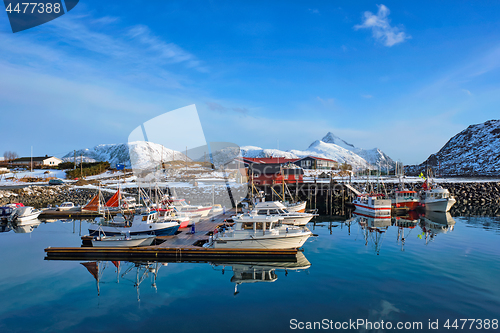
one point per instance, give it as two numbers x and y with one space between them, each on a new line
148 217
256 222
370 200
406 195
436 193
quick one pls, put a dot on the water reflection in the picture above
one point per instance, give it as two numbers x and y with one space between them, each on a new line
20 227
434 223
137 272
410 222
253 272
374 228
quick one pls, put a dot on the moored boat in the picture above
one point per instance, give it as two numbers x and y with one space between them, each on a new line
437 199
183 207
259 232
123 240
5 213
68 206
373 204
22 214
405 198
145 223
277 208
298 207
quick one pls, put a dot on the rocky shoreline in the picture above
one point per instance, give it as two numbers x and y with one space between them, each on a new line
479 198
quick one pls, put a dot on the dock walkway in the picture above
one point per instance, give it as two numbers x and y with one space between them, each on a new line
180 247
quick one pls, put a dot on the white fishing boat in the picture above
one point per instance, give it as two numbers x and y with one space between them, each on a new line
123 240
277 208
216 209
374 205
437 199
68 206
297 207
259 232
146 223
183 207
22 214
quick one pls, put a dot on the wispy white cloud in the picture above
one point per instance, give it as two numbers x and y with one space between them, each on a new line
467 92
381 28
326 101
165 51
313 10
214 106
367 96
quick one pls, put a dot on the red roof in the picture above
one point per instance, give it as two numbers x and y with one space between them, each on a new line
320 158
266 160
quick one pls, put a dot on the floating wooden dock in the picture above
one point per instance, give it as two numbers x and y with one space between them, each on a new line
185 246
68 214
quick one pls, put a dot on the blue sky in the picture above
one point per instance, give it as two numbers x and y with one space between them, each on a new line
401 76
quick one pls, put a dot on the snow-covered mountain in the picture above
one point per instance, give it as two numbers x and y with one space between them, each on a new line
331 147
252 151
139 154
474 151
373 156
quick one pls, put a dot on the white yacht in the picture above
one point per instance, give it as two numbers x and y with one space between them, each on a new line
183 207
277 208
22 214
68 206
437 199
298 207
252 231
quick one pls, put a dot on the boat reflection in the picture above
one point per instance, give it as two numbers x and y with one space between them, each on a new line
374 228
25 227
137 272
5 226
409 221
253 272
142 271
434 223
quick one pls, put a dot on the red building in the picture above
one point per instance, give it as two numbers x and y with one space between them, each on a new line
273 173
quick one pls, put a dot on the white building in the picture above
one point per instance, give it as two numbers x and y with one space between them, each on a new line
50 161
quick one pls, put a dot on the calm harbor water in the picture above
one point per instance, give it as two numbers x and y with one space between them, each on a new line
358 269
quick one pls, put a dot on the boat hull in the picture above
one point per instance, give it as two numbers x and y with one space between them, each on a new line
411 205
439 205
297 208
288 242
297 220
374 210
158 229
28 217
112 242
